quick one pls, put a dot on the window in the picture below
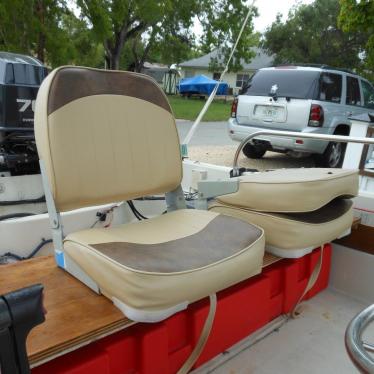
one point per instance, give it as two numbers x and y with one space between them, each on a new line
353 92
9 74
330 87
368 92
24 74
216 76
292 83
189 73
241 79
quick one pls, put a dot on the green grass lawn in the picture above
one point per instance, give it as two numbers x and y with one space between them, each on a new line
190 109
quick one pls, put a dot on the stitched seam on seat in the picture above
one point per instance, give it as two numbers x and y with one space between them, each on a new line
171 273
179 212
286 211
298 182
277 217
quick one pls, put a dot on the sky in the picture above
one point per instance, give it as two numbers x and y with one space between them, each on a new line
268 10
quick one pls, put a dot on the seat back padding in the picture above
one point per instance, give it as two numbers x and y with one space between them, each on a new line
105 136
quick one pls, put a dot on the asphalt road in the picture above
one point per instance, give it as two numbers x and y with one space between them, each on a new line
212 144
208 133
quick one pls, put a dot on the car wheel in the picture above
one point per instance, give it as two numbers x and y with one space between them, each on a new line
333 156
253 151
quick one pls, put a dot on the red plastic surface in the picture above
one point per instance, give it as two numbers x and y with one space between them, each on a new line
163 347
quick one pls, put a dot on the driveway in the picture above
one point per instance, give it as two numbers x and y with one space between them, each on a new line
211 144
208 133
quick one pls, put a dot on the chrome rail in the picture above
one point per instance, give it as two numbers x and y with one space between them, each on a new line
356 348
293 134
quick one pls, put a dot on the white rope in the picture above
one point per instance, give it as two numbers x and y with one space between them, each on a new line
203 337
191 133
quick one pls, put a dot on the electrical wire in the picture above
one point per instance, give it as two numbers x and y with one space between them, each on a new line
40 199
103 216
136 213
30 255
15 215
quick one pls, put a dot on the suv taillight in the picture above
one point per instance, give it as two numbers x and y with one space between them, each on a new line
316 116
234 107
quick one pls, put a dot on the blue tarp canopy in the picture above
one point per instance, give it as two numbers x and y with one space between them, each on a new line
201 85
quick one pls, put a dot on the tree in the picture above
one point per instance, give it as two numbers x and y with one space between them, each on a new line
15 26
222 21
311 35
83 49
33 27
144 28
358 16
117 22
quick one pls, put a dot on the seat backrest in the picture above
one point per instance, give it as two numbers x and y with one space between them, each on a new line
105 136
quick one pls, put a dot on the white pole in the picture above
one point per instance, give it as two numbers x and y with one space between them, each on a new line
193 129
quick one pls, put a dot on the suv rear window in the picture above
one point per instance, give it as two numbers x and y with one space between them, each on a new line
368 92
353 91
330 87
298 84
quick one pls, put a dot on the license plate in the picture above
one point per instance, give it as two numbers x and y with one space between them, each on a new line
267 112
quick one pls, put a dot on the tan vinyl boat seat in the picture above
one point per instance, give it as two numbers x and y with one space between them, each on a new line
292 190
165 263
108 136
293 235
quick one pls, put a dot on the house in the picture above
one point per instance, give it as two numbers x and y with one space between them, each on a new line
235 80
156 71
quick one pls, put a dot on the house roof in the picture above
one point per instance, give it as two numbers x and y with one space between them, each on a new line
261 60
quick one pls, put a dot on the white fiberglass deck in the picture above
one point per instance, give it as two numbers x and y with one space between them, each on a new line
310 344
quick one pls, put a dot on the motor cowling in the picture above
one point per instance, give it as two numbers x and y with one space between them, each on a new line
20 79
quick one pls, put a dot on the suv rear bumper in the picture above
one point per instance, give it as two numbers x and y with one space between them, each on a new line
240 132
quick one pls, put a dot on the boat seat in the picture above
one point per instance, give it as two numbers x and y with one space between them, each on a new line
293 235
292 190
108 136
163 264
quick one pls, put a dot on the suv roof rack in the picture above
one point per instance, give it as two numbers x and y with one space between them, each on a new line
321 66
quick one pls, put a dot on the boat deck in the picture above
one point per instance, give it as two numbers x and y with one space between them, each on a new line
76 315
310 344
67 325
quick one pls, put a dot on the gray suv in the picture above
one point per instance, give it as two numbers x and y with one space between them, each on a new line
308 99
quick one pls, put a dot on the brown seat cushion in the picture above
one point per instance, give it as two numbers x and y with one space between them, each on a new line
178 257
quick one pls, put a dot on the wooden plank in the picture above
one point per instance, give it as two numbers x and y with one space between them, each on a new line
75 316
75 313
361 238
270 259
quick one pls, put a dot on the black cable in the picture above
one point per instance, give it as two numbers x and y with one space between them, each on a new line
15 215
151 198
136 213
38 248
134 210
32 253
19 202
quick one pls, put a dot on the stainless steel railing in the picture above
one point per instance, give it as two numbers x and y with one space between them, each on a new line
356 348
293 134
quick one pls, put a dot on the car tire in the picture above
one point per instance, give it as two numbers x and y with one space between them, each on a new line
333 156
253 151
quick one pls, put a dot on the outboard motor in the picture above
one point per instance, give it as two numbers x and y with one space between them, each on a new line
20 78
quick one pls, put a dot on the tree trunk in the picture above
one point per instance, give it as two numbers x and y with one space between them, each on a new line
114 61
113 50
40 49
